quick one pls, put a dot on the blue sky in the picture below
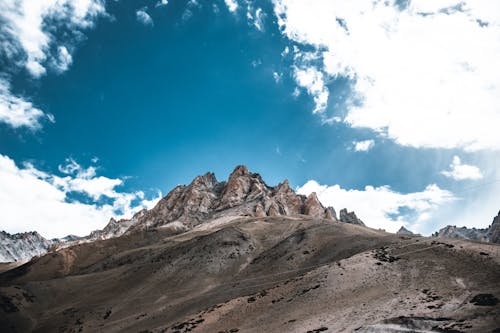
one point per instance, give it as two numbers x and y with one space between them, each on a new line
106 106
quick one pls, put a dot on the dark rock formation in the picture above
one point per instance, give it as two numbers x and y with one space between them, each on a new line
349 217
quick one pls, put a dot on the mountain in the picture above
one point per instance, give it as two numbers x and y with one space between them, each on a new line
404 231
206 200
240 256
490 234
244 194
22 246
257 274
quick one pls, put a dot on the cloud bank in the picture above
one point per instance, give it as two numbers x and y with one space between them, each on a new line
51 212
424 73
381 207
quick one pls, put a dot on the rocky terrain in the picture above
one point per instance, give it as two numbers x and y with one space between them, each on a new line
240 256
22 246
269 274
490 234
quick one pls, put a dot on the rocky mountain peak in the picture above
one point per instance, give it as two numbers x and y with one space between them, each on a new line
244 194
240 170
404 231
349 217
313 207
22 245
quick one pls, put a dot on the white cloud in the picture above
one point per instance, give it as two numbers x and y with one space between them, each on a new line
232 5
144 17
381 207
277 77
257 18
29 28
18 112
161 3
459 171
64 59
364 145
312 80
425 75
49 211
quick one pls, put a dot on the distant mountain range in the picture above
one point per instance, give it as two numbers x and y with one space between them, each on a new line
490 234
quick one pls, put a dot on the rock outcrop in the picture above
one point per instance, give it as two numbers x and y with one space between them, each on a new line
349 217
404 231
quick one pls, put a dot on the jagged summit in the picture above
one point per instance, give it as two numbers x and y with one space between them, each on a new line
244 194
349 217
22 246
404 231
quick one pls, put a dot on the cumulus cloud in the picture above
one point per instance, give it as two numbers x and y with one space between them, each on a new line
161 3
313 81
29 35
232 5
64 59
144 17
381 207
459 171
364 145
50 210
424 73
17 111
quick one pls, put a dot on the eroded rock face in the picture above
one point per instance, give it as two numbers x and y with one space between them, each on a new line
244 194
349 217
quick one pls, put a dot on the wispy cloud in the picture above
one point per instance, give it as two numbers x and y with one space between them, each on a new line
17 111
413 80
143 17
50 211
313 81
364 145
459 171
